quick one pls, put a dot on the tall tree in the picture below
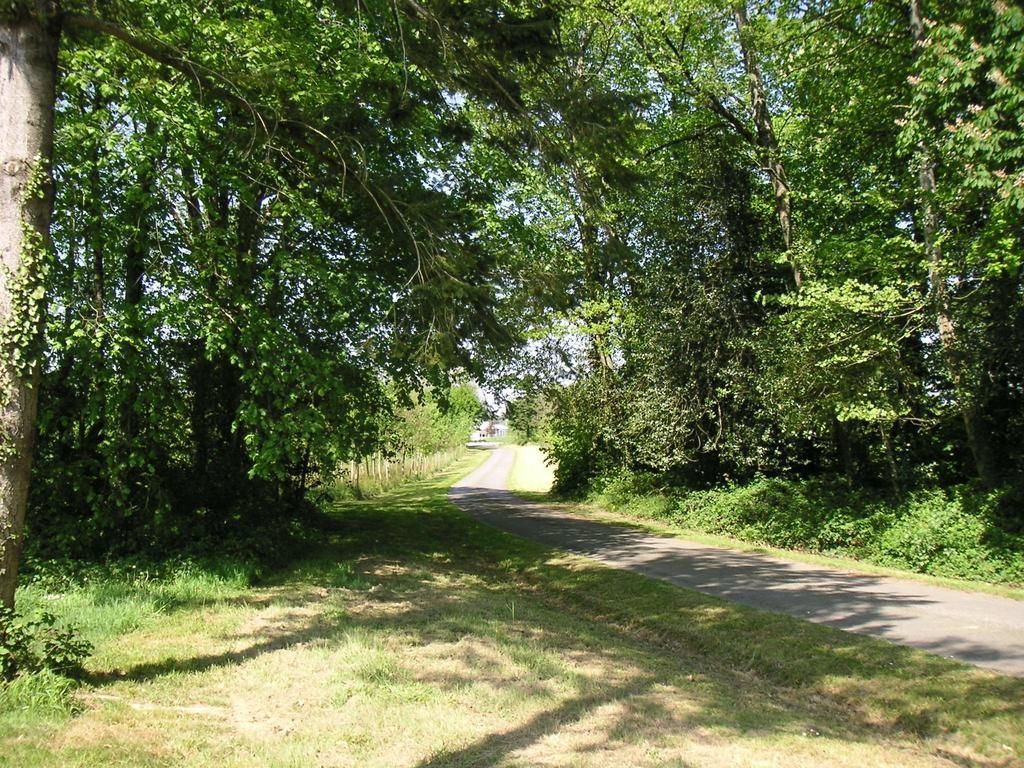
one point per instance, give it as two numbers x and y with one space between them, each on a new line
239 62
29 38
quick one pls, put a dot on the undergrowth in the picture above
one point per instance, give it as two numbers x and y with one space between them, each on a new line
954 533
410 634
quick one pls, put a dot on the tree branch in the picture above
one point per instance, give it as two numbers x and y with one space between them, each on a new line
267 121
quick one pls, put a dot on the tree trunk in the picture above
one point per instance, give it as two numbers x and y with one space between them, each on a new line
135 257
765 137
841 435
977 439
597 275
890 459
29 38
95 227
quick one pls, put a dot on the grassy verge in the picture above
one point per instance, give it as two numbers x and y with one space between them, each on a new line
413 636
530 475
378 474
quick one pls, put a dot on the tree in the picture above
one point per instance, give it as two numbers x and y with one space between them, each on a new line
29 37
236 65
888 133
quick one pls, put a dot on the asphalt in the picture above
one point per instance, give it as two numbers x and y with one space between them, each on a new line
981 629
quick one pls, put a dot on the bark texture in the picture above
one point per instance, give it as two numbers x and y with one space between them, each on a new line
28 72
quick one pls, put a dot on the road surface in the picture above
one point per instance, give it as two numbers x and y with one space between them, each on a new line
980 629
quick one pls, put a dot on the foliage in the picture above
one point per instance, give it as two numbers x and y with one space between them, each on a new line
437 420
504 609
840 353
867 340
255 251
954 533
527 416
30 645
575 440
711 243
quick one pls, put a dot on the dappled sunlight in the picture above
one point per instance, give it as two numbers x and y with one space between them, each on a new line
986 630
416 637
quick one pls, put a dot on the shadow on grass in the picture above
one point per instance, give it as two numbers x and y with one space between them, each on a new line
490 749
439 577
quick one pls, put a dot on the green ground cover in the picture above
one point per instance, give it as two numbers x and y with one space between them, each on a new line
409 635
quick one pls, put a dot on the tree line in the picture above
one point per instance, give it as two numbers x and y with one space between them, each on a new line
703 241
237 240
787 237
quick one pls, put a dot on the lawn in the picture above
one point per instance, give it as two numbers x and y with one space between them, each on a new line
413 636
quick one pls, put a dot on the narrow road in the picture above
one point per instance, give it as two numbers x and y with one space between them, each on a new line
980 629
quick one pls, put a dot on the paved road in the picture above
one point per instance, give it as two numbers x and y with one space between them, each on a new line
977 628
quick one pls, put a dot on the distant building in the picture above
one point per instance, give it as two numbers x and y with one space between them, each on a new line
487 430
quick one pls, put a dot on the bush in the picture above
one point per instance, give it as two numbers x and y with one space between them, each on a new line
794 515
633 492
951 535
954 533
39 644
576 440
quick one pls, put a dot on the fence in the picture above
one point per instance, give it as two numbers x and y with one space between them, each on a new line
376 474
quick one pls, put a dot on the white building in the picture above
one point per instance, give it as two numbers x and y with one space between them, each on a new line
487 430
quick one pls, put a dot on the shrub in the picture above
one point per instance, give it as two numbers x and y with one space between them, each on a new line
951 535
36 644
954 533
636 493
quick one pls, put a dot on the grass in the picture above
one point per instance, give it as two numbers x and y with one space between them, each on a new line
413 636
636 518
378 474
531 475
